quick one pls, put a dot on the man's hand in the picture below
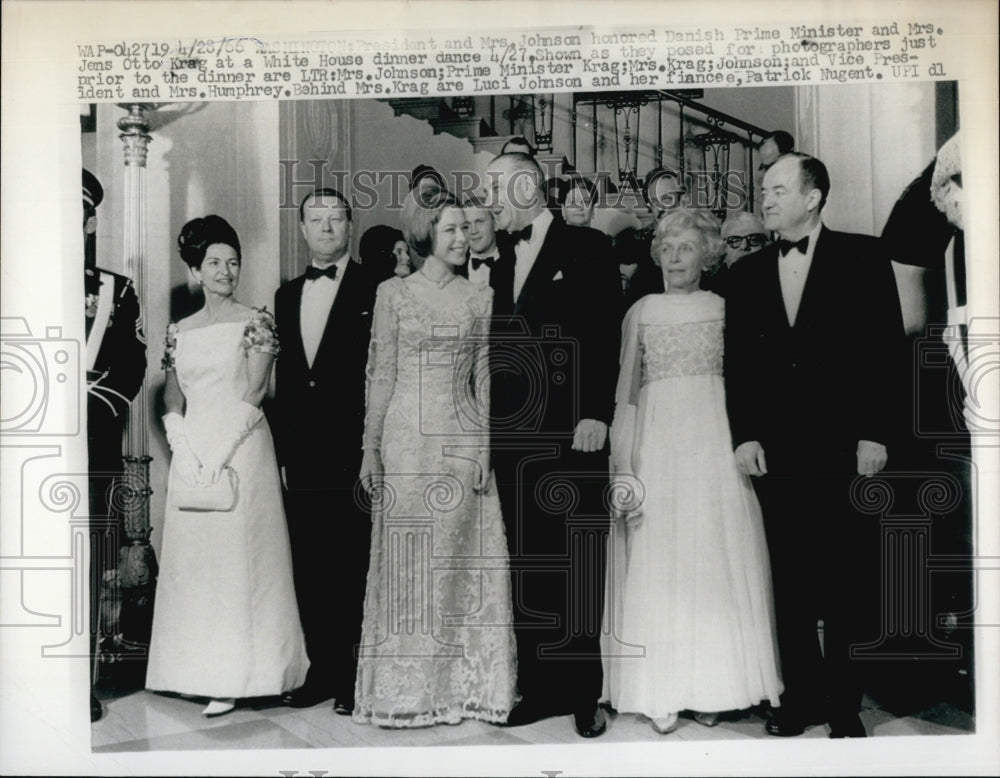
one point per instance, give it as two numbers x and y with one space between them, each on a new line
872 457
590 435
750 458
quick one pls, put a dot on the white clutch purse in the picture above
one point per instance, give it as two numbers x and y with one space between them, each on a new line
220 496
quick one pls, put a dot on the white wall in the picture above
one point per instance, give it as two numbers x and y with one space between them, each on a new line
385 142
204 158
874 139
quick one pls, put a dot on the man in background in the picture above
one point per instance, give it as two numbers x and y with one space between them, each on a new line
744 234
483 252
578 196
774 145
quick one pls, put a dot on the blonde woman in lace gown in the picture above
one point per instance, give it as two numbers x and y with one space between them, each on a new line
690 603
225 621
437 641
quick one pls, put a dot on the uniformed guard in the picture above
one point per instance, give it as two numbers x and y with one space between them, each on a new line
116 364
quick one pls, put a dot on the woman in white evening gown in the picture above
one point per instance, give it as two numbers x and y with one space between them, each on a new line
689 603
225 621
437 641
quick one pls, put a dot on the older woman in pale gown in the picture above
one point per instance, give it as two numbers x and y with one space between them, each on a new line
690 598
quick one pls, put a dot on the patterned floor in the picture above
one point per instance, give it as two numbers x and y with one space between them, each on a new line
143 721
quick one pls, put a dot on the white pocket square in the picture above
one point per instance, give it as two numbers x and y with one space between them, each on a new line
557 276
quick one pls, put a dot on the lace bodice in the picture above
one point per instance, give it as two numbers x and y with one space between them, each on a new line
429 360
680 335
685 348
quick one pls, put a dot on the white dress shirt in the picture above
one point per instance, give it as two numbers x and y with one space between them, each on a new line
793 269
526 251
317 300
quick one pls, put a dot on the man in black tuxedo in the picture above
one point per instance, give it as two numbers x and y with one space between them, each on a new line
814 339
324 322
554 359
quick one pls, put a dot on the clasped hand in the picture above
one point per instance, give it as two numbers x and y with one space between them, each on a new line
195 472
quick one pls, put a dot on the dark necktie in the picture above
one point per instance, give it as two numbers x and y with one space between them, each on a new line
784 246
520 235
477 262
313 272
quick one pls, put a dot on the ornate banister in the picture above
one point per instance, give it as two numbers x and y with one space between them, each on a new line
724 131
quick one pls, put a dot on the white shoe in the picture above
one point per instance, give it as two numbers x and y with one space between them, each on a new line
707 719
665 725
218 707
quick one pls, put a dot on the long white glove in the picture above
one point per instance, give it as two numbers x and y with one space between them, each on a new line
185 460
236 426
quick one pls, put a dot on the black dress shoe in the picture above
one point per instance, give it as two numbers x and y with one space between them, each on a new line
96 709
528 712
590 721
305 697
785 723
847 726
343 707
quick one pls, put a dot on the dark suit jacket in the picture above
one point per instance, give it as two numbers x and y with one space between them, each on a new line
815 389
321 410
554 353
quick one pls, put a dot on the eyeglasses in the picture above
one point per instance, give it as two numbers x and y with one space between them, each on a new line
754 240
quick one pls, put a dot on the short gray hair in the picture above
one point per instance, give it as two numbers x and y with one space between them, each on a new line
704 222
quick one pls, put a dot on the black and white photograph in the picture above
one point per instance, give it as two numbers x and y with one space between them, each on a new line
622 402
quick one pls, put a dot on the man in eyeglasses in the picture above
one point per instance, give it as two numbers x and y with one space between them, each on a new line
744 234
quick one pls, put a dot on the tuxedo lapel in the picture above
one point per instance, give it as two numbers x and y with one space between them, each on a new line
291 332
770 291
343 303
812 290
502 279
542 271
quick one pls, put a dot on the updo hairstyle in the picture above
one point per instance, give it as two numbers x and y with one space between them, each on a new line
198 234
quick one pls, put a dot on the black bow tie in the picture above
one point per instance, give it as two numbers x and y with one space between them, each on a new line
784 246
520 235
478 262
313 272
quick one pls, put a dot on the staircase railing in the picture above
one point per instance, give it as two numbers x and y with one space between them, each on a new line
533 116
723 132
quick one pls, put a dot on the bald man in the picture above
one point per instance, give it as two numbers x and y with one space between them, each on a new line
554 362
